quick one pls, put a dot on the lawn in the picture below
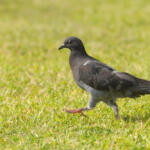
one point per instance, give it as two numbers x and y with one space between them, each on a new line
36 83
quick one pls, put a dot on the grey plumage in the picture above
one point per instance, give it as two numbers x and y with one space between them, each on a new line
102 82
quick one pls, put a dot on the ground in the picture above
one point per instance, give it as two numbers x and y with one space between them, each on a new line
36 83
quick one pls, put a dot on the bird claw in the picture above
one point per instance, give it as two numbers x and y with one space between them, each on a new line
75 111
117 117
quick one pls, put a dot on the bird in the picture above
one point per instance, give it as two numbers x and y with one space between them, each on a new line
102 82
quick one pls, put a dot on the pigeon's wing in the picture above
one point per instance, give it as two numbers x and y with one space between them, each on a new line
102 77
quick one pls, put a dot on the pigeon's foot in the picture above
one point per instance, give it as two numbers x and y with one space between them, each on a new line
117 117
75 111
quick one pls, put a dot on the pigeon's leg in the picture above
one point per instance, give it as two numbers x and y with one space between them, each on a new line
75 111
115 108
91 105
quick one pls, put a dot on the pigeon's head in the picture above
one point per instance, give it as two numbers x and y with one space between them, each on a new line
73 43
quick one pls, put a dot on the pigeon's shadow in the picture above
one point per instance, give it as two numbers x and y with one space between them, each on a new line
136 118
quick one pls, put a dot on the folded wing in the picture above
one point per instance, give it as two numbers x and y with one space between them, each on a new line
104 78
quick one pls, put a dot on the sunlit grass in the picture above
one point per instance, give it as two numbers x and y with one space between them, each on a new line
36 83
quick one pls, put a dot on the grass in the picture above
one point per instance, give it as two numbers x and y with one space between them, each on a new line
36 82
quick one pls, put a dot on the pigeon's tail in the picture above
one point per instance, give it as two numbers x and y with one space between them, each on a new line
142 88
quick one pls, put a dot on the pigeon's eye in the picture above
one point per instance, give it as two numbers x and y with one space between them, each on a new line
69 42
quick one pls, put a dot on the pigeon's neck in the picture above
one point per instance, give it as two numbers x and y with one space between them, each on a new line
76 57
78 52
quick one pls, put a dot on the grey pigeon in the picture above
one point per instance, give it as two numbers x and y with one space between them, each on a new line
102 82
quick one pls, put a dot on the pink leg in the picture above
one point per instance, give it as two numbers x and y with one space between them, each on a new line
75 111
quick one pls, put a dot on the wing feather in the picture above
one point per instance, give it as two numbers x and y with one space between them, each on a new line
102 77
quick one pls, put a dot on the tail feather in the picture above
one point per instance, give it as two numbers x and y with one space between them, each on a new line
143 87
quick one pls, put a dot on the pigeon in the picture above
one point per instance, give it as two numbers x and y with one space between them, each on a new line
101 81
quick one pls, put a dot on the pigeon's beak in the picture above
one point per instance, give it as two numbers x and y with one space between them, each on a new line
62 46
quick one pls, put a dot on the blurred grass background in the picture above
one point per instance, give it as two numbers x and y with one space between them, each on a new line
36 82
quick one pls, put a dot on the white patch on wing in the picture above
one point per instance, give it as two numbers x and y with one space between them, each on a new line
88 61
114 71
